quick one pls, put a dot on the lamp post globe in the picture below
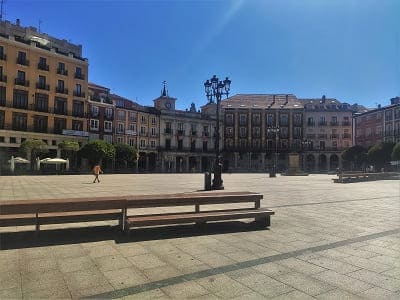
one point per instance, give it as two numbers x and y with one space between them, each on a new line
215 89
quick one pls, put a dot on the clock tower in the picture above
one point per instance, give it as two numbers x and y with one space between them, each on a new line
164 102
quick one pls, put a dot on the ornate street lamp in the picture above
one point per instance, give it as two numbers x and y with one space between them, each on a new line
214 90
275 130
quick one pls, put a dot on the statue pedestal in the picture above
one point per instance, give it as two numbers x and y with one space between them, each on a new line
294 166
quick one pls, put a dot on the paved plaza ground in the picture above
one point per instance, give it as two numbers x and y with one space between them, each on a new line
326 241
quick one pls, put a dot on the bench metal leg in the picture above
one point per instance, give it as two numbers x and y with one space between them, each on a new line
264 221
37 225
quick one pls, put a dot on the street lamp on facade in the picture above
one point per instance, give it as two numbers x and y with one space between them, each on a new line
275 130
214 90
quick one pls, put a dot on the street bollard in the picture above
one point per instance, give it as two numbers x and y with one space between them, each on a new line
207 181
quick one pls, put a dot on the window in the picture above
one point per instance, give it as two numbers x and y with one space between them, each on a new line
21 58
310 121
256 119
42 82
43 63
121 115
60 86
297 120
132 127
297 132
94 124
42 102
78 108
152 144
229 131
21 76
180 144
40 124
2 56
284 132
180 126
284 120
205 145
242 131
193 145
153 121
132 142
143 118
78 71
59 125
322 145
78 90
94 110
20 99
153 131
270 120
167 144
3 95
108 112
142 143
229 119
60 106
2 119
206 131
77 125
107 126
242 119
120 128
61 67
132 116
142 130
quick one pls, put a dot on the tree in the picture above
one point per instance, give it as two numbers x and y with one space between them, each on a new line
380 153
69 149
124 155
396 152
356 156
98 150
31 148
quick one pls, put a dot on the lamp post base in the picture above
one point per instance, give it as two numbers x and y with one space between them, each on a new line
217 181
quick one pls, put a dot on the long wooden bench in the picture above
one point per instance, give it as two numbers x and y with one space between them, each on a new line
122 208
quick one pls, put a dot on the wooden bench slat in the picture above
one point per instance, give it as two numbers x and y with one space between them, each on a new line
149 220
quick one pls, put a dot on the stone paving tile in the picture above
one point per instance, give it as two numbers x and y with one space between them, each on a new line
130 249
42 264
386 282
10 279
161 272
148 295
146 261
125 277
379 293
273 269
338 294
66 251
185 290
395 272
84 279
386 260
11 293
214 259
92 290
296 295
334 265
223 286
343 282
111 262
102 250
364 263
382 250
306 284
72 264
301 266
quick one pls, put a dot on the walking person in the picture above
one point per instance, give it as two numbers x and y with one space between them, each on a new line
96 171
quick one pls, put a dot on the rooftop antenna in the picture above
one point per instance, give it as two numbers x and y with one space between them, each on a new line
40 22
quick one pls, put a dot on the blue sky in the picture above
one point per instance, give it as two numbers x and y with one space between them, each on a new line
345 49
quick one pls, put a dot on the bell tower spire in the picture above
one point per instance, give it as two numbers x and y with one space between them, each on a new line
164 92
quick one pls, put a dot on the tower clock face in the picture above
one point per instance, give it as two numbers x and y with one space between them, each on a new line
167 105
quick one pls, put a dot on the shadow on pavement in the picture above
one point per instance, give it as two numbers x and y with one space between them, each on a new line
53 237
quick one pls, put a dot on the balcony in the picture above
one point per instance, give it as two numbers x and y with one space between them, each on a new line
23 62
131 132
62 72
168 131
322 123
180 132
79 76
143 134
75 132
61 90
3 57
334 123
322 136
43 67
42 86
109 117
94 114
310 136
37 107
78 113
40 129
334 136
3 78
79 94
346 123
22 82
346 135
20 105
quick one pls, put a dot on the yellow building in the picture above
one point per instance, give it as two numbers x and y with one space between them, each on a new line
43 89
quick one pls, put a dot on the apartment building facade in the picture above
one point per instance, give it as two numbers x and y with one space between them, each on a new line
260 130
378 125
101 112
43 88
327 132
139 127
187 141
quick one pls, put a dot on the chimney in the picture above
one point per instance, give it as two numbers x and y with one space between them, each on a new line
17 22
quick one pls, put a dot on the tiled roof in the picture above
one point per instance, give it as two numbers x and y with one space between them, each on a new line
262 101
